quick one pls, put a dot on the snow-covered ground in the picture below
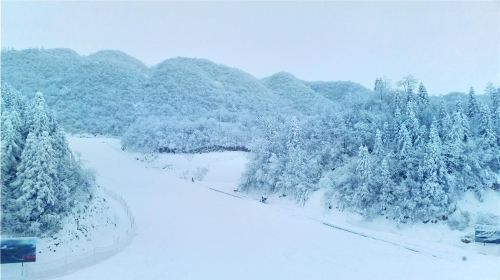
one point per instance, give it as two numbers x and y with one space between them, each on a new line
204 230
91 233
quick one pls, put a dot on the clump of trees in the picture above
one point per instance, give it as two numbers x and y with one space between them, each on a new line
400 153
40 178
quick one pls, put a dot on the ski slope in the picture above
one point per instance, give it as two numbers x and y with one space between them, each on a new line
185 230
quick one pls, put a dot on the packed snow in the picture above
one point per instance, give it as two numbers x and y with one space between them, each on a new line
205 230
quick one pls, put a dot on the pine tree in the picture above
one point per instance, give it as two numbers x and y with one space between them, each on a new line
494 94
461 119
296 179
472 106
378 148
378 87
445 124
36 186
410 95
11 100
387 196
397 102
381 87
434 174
387 135
65 167
40 195
397 122
423 97
405 152
486 130
454 145
412 122
11 148
364 194
11 145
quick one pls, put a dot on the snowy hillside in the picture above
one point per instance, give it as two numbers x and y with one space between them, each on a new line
111 93
225 235
297 94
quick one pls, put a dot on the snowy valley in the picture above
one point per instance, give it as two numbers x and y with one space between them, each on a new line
227 234
297 140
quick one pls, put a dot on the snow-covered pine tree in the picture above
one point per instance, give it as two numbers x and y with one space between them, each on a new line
378 146
444 120
397 102
297 175
364 193
405 153
387 135
387 197
423 96
397 123
378 87
460 118
472 105
486 130
434 200
412 122
381 87
36 186
11 148
454 152
11 145
65 167
494 95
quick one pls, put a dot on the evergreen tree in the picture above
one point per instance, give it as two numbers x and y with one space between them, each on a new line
397 122
387 198
445 125
65 168
405 152
486 130
454 151
423 97
36 186
364 193
387 135
397 102
462 121
434 198
472 106
11 146
378 148
378 88
494 94
412 122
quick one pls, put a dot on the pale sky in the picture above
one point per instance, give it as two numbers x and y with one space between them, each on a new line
448 45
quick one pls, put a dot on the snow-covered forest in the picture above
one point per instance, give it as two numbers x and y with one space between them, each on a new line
42 182
250 140
396 151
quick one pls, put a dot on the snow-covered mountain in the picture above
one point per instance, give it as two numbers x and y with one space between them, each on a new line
111 93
